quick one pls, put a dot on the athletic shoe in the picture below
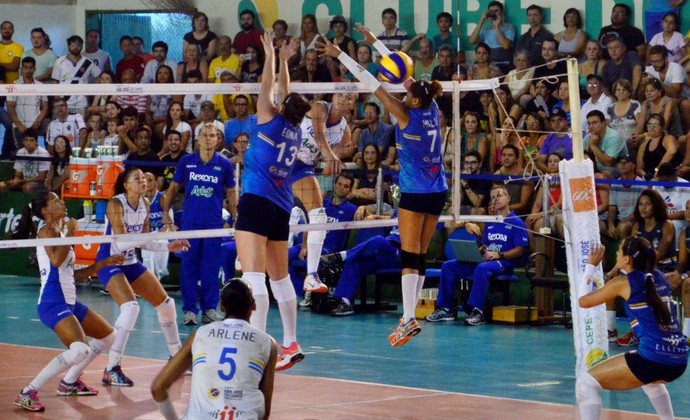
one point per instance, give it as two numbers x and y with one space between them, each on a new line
628 340
305 302
105 292
77 388
440 314
289 356
403 332
613 336
475 318
210 315
189 318
116 377
343 309
331 259
29 401
314 285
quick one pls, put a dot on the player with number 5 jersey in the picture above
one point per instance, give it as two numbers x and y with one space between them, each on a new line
262 227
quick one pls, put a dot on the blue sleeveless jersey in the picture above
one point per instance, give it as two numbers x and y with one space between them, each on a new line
204 188
419 152
669 346
269 160
156 213
336 240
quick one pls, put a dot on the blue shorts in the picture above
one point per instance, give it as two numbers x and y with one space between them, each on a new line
648 371
262 216
300 170
426 203
50 313
131 272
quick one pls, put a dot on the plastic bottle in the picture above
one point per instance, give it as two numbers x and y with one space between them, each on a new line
88 210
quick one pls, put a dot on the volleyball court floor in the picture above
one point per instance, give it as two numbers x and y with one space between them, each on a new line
350 371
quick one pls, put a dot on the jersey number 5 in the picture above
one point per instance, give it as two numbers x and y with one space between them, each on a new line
226 358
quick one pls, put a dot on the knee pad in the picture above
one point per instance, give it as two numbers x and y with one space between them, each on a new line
654 390
77 352
283 290
421 267
166 311
317 216
258 283
587 390
129 311
409 260
106 342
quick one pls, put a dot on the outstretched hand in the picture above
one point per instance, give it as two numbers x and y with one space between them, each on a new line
180 244
327 48
289 49
369 37
596 254
267 42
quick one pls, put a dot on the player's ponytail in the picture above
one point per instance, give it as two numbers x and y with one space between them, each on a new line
26 228
659 308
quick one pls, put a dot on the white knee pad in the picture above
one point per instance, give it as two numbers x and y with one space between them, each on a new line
257 281
587 390
77 352
166 311
283 290
317 215
129 311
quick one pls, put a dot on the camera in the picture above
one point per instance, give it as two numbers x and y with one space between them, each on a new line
491 15
246 57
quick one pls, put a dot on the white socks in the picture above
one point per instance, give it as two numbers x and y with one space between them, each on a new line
97 347
588 399
260 292
129 311
660 399
285 295
611 320
409 295
420 285
686 327
315 239
167 317
76 353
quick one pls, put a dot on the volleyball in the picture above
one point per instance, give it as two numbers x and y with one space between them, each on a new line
396 67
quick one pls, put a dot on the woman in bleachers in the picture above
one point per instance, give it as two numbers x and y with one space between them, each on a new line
309 35
473 138
572 40
535 220
564 102
99 102
507 106
59 172
157 106
254 66
502 137
519 79
657 147
534 134
175 120
364 59
202 37
623 114
657 102
482 67
670 37
193 60
364 188
592 64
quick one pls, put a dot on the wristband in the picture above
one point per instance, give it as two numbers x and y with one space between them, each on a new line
381 48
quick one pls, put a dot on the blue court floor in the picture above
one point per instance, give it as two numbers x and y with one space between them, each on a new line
535 364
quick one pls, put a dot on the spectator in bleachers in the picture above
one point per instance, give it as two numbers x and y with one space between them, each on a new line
534 135
176 120
488 112
339 27
226 60
95 133
657 102
364 189
669 37
392 36
128 130
249 36
139 49
111 137
536 34
136 101
309 36
503 136
30 175
10 52
223 102
620 27
535 220
622 114
591 64
543 101
239 148
69 125
59 172
498 35
312 71
605 143
253 66
192 61
192 102
157 105
653 224
503 246
27 111
573 40
94 52
144 156
424 65
129 61
202 37
173 142
100 102
74 68
508 106
519 79
364 59
563 92
552 68
482 68
243 122
658 147
520 191
674 197
475 192
673 77
473 137
375 131
559 141
596 86
45 57
207 115
622 200
445 36
160 58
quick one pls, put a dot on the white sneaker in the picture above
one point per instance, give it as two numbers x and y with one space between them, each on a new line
189 318
210 315
306 300
314 285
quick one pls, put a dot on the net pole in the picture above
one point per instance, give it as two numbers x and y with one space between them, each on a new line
574 89
457 140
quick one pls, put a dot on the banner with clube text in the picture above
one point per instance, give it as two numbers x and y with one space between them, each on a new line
581 227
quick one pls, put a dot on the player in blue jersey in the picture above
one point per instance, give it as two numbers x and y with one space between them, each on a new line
206 176
128 213
423 184
58 307
662 354
262 227
157 262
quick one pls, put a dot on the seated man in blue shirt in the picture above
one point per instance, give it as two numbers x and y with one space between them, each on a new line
244 122
503 247
376 132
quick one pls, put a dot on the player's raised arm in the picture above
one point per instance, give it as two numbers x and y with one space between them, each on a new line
265 108
286 52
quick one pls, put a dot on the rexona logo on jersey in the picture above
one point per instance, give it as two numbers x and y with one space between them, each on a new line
582 194
193 176
202 191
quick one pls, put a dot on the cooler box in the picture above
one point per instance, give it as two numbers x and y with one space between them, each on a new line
102 172
86 253
513 314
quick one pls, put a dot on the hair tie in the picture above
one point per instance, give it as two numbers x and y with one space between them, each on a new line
636 254
287 99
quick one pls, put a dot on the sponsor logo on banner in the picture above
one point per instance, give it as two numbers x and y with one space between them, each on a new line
582 194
